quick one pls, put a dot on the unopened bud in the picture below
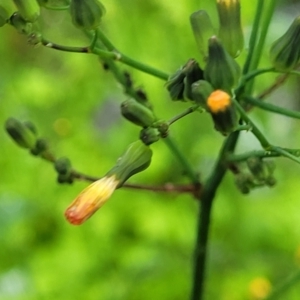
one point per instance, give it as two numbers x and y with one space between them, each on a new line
230 30
221 70
203 30
257 168
63 166
201 90
21 25
20 133
285 52
137 113
28 9
149 135
244 182
223 112
86 14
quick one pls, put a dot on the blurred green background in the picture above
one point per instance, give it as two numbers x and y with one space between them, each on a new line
140 244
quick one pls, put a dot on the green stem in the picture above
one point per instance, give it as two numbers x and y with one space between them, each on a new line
261 41
129 61
291 281
183 114
51 45
285 153
182 159
259 135
273 108
254 35
206 197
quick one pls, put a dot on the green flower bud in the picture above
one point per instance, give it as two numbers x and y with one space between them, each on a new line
162 127
137 113
63 166
244 182
4 16
62 178
149 135
31 126
257 168
41 147
179 83
223 111
28 9
193 73
136 159
221 70
22 26
86 14
285 52
20 133
230 30
203 30
201 90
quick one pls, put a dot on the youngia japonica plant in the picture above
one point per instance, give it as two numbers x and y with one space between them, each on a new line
216 85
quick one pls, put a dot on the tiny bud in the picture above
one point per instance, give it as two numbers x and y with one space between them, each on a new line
63 166
230 30
221 70
203 29
149 135
20 24
20 133
257 167
244 182
86 14
223 112
28 9
285 52
137 113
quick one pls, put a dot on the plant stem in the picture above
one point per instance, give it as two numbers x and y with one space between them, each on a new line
206 197
273 108
183 114
182 159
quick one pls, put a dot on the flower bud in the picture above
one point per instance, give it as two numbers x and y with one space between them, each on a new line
86 14
40 148
136 159
63 166
230 29
20 133
201 90
221 70
257 168
223 111
28 9
203 30
179 84
285 52
193 73
22 26
4 16
244 182
137 113
149 135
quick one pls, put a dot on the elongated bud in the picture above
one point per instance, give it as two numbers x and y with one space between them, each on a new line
136 159
150 135
221 70
137 113
193 73
28 9
4 16
201 90
285 52
203 30
20 133
223 112
230 29
86 14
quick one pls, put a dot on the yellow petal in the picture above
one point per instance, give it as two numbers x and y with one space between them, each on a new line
90 200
